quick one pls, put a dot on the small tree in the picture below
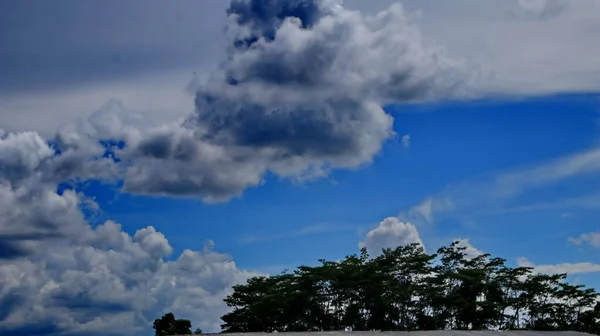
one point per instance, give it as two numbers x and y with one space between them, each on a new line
168 325
198 331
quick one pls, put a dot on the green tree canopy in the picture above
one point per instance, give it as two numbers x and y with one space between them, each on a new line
168 325
408 289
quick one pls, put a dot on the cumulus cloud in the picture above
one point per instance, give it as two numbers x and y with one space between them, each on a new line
21 154
109 282
591 238
300 93
390 233
470 251
570 268
59 275
31 210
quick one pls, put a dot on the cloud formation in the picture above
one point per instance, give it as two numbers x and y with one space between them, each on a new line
390 233
493 193
65 77
570 268
31 210
591 238
60 275
299 93
470 251
109 282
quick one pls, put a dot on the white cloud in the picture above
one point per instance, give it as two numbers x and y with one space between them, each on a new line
159 97
570 268
406 140
390 233
111 281
22 153
591 238
253 117
526 47
60 275
490 193
470 251
262 123
424 211
585 162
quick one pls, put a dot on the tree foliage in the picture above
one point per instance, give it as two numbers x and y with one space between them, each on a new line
168 325
407 289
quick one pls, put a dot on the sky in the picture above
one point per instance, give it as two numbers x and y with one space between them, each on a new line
154 154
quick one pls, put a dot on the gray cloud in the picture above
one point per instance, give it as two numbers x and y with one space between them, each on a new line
251 120
71 44
320 45
31 210
80 55
542 9
300 94
320 110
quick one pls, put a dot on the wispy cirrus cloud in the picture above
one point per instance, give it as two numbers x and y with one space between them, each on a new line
493 193
570 268
302 232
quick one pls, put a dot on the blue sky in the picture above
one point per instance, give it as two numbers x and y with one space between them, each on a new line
450 143
250 149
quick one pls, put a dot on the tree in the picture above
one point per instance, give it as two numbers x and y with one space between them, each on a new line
168 325
407 289
198 331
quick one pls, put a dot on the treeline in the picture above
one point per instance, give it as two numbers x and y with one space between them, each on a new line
168 325
408 289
